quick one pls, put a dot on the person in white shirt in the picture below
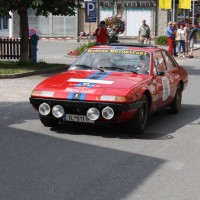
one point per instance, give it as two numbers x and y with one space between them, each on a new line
181 38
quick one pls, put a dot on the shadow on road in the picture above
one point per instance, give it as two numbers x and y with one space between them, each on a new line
39 166
160 124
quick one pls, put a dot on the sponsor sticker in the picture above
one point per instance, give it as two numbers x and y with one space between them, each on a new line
121 51
77 90
166 88
90 81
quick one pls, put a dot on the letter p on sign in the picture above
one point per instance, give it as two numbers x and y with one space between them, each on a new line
90 11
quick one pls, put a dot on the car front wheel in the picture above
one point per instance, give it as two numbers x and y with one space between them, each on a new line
176 103
138 123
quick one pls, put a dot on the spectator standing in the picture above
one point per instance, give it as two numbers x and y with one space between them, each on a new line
186 25
170 33
181 38
101 33
144 33
191 38
174 27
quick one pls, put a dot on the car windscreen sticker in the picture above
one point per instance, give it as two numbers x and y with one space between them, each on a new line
128 52
90 81
98 50
121 50
166 88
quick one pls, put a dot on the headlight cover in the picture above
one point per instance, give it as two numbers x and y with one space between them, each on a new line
42 93
113 98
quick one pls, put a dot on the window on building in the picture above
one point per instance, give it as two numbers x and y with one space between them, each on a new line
3 23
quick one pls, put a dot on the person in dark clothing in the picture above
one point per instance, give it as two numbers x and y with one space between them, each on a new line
191 38
174 27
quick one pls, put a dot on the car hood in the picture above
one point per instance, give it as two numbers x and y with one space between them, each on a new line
77 82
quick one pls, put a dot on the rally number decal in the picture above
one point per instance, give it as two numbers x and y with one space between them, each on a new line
166 88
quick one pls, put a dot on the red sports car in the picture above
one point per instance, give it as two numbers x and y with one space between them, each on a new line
116 83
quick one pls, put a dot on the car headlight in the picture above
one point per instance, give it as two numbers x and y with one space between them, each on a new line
58 111
113 98
108 112
93 113
44 109
42 93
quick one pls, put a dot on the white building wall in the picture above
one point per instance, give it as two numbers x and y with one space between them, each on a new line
134 20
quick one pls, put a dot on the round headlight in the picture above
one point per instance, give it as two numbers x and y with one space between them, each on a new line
93 114
58 111
108 113
44 109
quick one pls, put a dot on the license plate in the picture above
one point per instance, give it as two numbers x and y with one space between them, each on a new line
77 118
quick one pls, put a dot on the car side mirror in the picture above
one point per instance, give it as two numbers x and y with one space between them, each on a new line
161 73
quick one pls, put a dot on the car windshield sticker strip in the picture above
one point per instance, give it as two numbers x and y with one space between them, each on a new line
95 76
121 50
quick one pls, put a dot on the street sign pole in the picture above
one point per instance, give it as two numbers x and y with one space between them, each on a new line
90 14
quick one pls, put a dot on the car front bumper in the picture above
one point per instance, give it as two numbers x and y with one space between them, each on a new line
122 111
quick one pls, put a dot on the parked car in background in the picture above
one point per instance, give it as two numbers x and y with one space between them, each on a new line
112 84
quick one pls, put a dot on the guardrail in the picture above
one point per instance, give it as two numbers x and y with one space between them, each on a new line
10 48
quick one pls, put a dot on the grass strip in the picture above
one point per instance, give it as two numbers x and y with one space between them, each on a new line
11 67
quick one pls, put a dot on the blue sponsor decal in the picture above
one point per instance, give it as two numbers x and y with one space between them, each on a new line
95 76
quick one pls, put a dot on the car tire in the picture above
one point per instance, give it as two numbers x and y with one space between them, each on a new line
48 121
138 123
176 103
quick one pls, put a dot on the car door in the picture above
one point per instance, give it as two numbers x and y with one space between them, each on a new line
163 80
172 69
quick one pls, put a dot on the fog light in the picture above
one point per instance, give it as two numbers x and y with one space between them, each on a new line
58 111
108 113
93 114
44 109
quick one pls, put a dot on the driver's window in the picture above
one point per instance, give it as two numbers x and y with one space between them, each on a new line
168 61
159 62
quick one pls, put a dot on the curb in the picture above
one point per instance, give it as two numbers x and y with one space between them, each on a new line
43 71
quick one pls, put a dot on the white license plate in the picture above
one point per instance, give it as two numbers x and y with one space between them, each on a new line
77 118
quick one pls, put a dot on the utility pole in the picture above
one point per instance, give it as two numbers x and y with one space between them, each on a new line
173 11
193 13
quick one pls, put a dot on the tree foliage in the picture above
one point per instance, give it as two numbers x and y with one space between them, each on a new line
42 7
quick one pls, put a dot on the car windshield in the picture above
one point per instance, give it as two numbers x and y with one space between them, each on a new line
113 60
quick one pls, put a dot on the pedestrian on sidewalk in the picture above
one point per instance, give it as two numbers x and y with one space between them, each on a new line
144 33
181 38
170 33
191 38
175 28
101 33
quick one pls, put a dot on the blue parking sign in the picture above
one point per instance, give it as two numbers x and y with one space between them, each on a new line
90 12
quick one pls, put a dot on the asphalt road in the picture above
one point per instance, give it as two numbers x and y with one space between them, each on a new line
76 162
56 51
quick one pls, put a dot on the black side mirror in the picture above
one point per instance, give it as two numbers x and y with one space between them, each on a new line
161 73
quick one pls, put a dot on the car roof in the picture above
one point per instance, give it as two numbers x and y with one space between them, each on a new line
128 46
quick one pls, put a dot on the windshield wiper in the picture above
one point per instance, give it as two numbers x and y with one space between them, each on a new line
88 67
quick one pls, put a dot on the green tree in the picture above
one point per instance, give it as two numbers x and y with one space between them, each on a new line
42 7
